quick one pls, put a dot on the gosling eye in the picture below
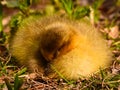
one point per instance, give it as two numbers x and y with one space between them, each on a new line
59 49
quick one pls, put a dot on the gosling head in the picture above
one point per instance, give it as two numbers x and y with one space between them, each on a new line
57 40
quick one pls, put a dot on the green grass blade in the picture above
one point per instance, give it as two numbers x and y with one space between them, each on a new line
17 82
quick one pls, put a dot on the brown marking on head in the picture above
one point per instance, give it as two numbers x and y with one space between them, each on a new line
57 41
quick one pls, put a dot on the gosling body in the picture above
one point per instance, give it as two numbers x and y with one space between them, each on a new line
56 44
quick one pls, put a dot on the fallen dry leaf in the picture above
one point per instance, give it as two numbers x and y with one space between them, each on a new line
114 32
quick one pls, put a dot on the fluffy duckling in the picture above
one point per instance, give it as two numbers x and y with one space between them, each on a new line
56 44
